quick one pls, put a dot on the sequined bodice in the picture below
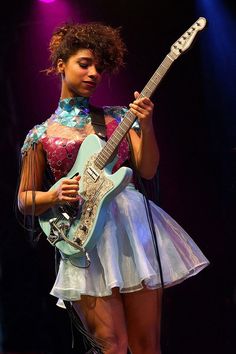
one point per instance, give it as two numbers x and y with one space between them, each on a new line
62 152
63 133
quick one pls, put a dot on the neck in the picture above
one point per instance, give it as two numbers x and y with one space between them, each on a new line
67 92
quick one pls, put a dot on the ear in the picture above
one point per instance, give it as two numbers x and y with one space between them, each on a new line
60 66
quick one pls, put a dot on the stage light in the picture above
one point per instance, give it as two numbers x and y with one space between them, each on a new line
47 1
218 62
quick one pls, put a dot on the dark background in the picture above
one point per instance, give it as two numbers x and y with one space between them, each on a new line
195 126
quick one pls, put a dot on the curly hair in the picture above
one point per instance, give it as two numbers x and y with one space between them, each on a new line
105 41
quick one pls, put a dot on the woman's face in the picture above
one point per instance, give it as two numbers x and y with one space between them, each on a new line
81 74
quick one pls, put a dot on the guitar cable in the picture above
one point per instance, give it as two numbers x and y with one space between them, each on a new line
90 343
154 236
147 207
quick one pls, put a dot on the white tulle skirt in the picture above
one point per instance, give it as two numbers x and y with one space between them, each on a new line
125 256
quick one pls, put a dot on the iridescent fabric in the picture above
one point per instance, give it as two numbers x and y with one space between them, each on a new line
62 134
124 256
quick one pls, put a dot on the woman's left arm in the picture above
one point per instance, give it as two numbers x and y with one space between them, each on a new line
146 151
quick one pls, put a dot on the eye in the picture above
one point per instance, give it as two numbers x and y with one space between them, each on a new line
83 65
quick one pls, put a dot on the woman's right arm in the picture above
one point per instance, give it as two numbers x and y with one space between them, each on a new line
31 198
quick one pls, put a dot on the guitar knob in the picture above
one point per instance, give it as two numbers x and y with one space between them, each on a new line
89 211
77 240
83 228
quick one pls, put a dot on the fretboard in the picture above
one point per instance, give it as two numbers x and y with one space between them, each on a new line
119 133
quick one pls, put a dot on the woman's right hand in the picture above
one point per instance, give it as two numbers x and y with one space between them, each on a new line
67 191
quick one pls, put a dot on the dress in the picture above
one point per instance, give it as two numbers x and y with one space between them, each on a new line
124 255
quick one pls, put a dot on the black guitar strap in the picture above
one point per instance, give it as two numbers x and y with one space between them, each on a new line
98 121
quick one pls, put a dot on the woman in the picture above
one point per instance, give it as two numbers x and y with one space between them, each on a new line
118 296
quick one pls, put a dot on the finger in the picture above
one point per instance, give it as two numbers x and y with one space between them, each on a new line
73 192
142 102
137 107
136 94
69 182
146 101
77 177
71 198
68 189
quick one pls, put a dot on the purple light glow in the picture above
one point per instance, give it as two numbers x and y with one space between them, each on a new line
35 36
47 1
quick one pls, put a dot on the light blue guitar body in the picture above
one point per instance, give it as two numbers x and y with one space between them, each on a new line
96 187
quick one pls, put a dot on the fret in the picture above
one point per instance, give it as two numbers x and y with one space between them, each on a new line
157 73
121 135
170 57
163 66
99 162
148 89
109 149
102 156
125 124
115 140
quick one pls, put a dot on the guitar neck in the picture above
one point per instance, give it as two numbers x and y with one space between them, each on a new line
157 76
109 149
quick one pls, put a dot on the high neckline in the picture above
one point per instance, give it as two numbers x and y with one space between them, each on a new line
73 112
68 104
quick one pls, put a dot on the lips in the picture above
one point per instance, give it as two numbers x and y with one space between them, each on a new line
90 83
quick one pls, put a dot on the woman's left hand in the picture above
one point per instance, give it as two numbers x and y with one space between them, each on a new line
143 110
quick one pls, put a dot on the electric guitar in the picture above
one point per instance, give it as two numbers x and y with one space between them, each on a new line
75 229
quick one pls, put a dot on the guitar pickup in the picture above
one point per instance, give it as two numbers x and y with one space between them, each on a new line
66 216
93 173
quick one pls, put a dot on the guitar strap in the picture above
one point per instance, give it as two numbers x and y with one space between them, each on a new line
98 121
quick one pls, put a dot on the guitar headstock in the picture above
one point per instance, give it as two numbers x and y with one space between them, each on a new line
185 41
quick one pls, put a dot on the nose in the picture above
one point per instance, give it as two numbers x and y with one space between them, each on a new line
93 73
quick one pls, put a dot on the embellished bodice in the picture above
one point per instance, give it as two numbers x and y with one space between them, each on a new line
63 133
62 152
